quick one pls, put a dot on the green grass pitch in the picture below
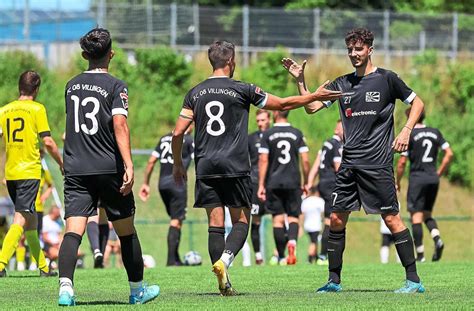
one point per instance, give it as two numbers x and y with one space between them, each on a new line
366 286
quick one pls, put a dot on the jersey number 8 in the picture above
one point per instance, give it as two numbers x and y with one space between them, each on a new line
213 118
89 115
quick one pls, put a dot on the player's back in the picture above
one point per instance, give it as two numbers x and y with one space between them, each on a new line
92 99
22 121
330 153
165 156
221 106
283 143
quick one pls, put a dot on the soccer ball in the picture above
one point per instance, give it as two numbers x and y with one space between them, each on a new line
149 261
192 258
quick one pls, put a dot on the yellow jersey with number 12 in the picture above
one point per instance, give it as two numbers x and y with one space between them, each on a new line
21 123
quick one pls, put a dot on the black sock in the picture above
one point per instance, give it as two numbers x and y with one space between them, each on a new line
176 253
103 236
404 244
68 255
324 241
255 234
93 235
280 241
236 238
132 257
418 238
432 225
173 238
293 231
336 246
216 242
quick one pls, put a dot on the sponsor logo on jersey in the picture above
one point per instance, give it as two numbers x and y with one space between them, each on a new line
348 112
259 91
124 97
372 97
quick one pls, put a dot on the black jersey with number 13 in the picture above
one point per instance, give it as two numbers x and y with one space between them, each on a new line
92 99
221 112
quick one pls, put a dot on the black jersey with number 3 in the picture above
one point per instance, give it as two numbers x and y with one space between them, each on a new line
92 99
254 144
423 149
367 116
221 112
283 144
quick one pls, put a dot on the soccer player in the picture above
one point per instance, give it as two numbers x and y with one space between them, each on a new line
423 149
258 208
311 209
22 123
98 233
279 182
219 107
175 198
45 190
326 165
98 165
366 174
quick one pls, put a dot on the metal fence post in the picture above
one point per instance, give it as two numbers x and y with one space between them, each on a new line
316 30
245 34
454 51
26 24
101 13
173 25
386 35
149 22
422 40
197 35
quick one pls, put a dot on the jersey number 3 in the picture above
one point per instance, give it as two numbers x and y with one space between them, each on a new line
89 115
285 151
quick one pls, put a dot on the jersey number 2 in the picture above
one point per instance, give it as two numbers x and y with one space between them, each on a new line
166 156
429 145
89 115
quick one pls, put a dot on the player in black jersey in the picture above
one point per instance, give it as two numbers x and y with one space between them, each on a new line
366 174
174 198
98 165
326 165
279 182
423 149
258 208
219 107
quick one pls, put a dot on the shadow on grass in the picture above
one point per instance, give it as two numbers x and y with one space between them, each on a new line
217 294
369 291
23 276
98 303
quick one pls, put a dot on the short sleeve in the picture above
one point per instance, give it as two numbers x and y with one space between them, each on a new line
337 158
400 90
442 142
120 100
156 153
264 145
188 103
257 96
332 87
302 146
42 123
404 154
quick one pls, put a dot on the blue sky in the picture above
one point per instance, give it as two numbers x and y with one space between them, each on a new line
65 5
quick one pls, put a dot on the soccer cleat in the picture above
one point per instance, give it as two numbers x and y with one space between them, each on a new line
220 271
98 261
50 273
330 287
421 259
439 246
3 273
411 288
147 294
66 300
291 259
259 262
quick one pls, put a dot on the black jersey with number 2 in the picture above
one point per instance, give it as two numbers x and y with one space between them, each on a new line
92 99
367 116
254 144
283 144
221 111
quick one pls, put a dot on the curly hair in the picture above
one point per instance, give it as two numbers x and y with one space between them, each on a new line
360 35
96 43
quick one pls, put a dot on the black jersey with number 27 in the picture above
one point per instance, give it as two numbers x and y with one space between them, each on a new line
92 99
221 110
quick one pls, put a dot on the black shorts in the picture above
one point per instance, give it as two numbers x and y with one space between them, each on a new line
175 200
313 236
373 189
23 193
325 190
387 239
258 207
284 201
81 195
421 195
226 191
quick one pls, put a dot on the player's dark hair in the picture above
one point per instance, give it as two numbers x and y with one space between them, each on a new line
262 111
422 115
219 53
360 35
96 43
283 113
29 82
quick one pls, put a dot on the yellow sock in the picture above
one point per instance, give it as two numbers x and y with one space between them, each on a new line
10 243
35 249
20 253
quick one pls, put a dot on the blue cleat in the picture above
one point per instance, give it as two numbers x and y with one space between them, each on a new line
148 293
330 287
411 288
66 300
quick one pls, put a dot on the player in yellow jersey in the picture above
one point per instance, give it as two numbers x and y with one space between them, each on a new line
45 190
22 123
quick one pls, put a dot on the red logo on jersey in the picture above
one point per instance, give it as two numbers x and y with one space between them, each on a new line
258 90
348 112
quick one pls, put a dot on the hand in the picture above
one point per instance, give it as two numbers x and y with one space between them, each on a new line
144 193
400 143
323 94
261 193
294 69
179 174
305 190
128 179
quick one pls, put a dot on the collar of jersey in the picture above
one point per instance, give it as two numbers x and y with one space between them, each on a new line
336 137
215 77
95 71
375 69
281 124
420 126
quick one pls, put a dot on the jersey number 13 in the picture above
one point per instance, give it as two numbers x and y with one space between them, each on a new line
89 115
